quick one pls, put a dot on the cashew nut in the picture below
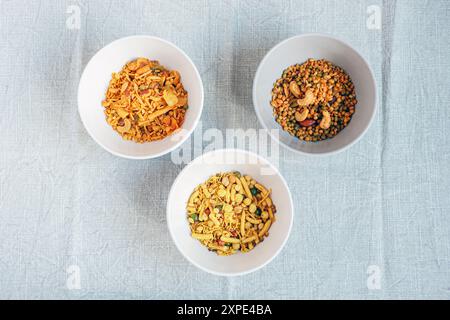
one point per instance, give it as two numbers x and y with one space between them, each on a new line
170 97
293 86
126 127
308 99
326 120
302 114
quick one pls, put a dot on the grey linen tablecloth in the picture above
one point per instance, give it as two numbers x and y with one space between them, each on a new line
371 222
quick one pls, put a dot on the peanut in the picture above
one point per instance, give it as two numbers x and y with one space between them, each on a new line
307 123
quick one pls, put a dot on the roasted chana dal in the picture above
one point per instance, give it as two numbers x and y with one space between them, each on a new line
313 101
145 101
230 212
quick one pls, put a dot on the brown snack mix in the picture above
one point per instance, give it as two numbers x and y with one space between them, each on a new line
314 101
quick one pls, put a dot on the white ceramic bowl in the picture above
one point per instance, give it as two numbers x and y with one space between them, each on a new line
318 46
112 58
199 171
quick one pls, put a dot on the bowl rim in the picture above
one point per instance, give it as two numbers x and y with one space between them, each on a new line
291 220
188 132
323 35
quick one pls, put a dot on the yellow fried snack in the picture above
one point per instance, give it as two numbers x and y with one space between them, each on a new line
145 101
230 213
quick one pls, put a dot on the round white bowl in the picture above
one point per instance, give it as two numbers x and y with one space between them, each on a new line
318 46
199 171
95 81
